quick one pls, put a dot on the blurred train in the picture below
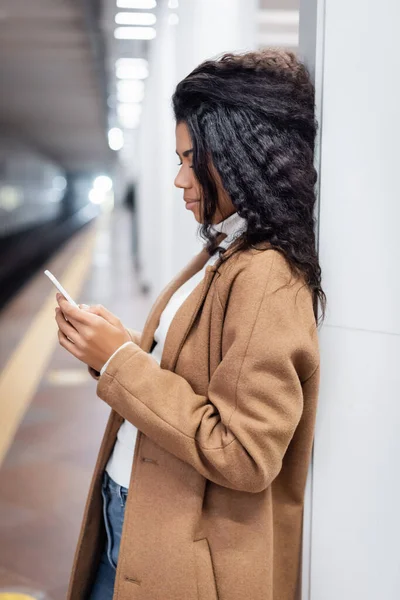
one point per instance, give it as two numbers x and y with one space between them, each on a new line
41 207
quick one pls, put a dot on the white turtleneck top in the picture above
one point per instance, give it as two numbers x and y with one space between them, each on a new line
119 466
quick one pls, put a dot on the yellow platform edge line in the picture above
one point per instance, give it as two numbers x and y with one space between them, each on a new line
24 370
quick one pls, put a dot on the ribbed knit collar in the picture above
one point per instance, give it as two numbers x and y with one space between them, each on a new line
232 226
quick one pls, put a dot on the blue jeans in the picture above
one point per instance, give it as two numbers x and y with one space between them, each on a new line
114 501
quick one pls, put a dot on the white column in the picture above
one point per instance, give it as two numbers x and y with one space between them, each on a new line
206 29
211 27
356 487
168 232
156 157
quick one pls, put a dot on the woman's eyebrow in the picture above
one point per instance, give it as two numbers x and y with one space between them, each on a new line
186 153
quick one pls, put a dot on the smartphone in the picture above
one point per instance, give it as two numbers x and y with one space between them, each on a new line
60 288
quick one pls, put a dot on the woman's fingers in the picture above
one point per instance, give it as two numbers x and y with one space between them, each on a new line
65 327
101 311
73 313
68 345
87 314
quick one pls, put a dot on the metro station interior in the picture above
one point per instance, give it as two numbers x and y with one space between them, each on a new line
87 168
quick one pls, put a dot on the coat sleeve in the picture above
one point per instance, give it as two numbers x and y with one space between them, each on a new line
238 433
135 337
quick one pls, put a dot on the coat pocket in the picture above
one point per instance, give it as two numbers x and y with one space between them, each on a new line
206 585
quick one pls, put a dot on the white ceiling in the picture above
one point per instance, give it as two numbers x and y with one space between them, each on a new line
51 89
116 49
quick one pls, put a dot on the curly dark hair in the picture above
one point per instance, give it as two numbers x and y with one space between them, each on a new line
251 117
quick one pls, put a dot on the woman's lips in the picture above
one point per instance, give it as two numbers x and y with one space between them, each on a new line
190 205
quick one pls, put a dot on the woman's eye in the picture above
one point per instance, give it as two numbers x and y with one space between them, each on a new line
180 164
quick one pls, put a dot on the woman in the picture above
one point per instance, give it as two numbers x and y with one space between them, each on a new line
220 389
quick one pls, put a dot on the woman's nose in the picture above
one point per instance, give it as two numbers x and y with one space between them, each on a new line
181 181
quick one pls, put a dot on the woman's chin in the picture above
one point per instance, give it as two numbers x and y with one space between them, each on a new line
197 215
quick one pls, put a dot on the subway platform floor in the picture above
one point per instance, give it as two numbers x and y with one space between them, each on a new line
51 421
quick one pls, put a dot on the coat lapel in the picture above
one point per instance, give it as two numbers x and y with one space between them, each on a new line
184 319
188 311
153 320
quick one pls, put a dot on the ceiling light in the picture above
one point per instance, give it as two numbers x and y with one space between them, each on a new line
173 4
134 87
103 183
127 96
132 72
135 33
173 19
130 91
96 196
128 110
131 62
132 68
131 18
115 139
140 4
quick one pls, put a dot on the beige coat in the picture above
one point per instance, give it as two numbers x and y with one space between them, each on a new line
215 503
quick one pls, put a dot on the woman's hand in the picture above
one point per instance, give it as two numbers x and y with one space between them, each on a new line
92 335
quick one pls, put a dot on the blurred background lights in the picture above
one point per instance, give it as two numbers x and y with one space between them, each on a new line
132 68
59 183
111 101
132 62
115 139
133 18
103 183
10 197
173 4
132 72
135 33
130 91
137 4
96 196
129 115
